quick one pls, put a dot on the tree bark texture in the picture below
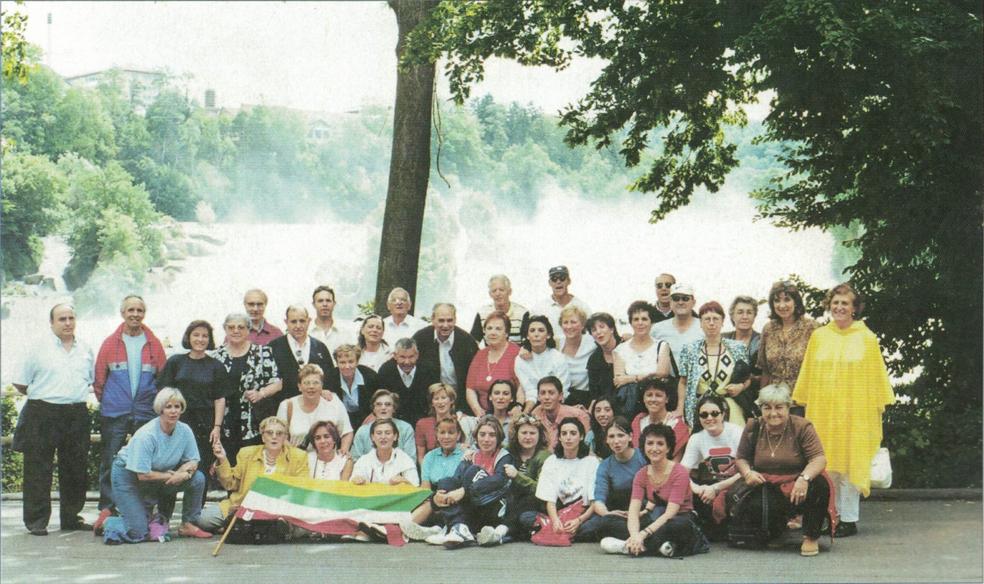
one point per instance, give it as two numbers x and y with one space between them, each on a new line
399 247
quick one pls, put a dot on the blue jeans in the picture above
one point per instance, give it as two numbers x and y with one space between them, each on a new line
113 433
135 499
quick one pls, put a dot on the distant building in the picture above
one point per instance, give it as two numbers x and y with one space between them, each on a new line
142 86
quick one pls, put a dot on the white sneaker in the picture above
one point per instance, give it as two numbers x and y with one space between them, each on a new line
492 535
460 534
417 532
613 545
667 549
439 538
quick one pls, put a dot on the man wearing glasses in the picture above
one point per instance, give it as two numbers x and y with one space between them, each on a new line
261 332
297 348
664 308
684 327
560 297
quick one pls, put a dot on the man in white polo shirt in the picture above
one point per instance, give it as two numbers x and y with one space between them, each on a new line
684 327
57 378
560 297
400 324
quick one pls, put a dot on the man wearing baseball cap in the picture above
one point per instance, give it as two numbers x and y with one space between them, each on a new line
559 279
684 327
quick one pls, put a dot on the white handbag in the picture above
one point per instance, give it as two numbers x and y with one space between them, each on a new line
881 470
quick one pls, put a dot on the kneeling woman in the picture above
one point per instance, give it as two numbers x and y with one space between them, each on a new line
662 501
473 499
275 455
160 460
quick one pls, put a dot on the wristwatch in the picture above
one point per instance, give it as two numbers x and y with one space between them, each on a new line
805 478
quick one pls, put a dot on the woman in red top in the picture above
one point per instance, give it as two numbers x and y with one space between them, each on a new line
655 396
662 501
495 361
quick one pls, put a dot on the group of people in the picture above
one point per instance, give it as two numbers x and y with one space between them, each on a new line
544 424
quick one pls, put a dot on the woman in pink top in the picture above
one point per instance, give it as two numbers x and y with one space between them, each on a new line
496 361
662 501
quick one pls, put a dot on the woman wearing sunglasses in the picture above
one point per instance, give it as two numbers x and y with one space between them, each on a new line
710 458
275 455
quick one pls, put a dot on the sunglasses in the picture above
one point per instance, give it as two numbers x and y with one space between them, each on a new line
558 278
681 298
664 284
705 415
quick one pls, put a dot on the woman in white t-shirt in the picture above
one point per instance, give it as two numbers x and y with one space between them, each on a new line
314 404
638 359
710 458
384 463
567 479
539 359
325 461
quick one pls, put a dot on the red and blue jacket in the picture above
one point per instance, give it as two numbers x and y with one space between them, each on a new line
112 378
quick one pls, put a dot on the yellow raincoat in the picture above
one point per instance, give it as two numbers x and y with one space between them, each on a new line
844 385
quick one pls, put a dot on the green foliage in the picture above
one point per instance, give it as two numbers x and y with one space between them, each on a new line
111 221
16 58
13 462
33 190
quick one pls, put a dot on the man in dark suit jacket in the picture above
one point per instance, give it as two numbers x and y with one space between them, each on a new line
404 375
457 344
296 349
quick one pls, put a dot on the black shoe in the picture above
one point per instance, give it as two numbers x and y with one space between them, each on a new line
38 531
78 526
846 529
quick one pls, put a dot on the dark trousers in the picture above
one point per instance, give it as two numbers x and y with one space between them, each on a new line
113 434
43 430
813 508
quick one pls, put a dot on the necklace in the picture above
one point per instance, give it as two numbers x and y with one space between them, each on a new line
717 364
782 435
489 364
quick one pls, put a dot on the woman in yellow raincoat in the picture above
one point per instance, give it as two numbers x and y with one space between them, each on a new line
844 385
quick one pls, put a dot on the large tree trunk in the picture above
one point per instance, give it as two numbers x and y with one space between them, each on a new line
399 248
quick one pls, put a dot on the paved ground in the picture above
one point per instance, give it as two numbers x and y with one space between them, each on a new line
901 541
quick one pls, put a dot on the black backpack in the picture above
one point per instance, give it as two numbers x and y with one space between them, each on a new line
755 516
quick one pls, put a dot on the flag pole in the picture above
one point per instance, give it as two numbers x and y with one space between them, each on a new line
218 547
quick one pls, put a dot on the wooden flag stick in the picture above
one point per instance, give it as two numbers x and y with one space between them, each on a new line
218 547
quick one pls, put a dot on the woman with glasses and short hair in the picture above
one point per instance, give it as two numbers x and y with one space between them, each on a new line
275 455
253 371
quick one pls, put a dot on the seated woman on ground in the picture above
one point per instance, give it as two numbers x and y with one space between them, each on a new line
566 484
602 416
275 455
160 460
660 520
385 463
613 485
439 463
473 500
385 404
503 404
312 405
442 400
710 458
784 451
528 446
656 395
325 461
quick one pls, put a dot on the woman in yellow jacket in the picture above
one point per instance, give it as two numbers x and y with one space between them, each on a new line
275 455
844 385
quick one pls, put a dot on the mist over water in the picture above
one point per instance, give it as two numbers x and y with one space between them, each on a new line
612 250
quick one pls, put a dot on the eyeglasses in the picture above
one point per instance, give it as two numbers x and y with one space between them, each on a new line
274 433
681 298
664 284
705 415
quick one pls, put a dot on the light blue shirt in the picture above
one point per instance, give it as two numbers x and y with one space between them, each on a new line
134 364
438 465
152 449
350 393
55 375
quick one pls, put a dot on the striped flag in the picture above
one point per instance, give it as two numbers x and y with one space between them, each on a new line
330 507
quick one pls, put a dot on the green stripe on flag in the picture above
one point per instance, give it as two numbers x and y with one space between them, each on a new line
327 499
